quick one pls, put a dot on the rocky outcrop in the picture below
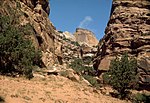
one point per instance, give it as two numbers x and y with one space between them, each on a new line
67 48
128 30
86 37
88 44
34 3
68 35
58 48
35 13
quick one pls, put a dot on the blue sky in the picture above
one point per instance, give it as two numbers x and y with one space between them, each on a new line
67 15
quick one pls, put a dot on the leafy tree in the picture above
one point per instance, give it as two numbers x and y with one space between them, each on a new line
17 54
122 74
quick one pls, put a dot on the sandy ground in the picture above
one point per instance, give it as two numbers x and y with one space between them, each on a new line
52 89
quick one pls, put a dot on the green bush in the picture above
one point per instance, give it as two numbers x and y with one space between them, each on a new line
17 54
2 99
93 81
77 65
80 68
87 60
122 74
66 39
87 72
75 43
145 34
141 98
60 31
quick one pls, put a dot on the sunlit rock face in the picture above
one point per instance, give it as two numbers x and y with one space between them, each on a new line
33 3
128 30
84 36
35 13
88 43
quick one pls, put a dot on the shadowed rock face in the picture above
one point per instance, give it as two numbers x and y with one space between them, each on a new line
127 30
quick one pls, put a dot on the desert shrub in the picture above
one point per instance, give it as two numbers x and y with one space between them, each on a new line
87 60
18 5
66 39
17 54
122 74
93 81
106 78
2 99
145 34
64 73
27 29
141 98
60 31
75 43
87 72
79 66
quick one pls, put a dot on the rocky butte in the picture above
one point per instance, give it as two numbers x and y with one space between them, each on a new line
81 44
128 30
84 36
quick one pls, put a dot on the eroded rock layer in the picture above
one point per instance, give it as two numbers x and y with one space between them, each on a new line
35 13
128 30
57 47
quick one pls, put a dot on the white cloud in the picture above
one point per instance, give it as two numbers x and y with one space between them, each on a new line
85 22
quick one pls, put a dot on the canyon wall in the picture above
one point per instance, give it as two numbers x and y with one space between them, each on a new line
34 13
57 47
128 30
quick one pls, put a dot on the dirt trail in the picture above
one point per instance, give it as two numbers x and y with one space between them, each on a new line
52 89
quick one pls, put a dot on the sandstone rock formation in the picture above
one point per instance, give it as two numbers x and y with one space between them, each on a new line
33 3
68 35
128 30
57 47
35 13
68 48
84 36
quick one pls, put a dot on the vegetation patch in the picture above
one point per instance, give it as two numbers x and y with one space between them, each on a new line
141 98
75 43
66 39
122 75
93 81
1 99
17 53
145 34
87 72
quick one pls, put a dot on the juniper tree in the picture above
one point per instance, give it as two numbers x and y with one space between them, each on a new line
122 74
17 54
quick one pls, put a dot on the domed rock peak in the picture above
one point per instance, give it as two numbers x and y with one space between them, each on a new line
84 36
